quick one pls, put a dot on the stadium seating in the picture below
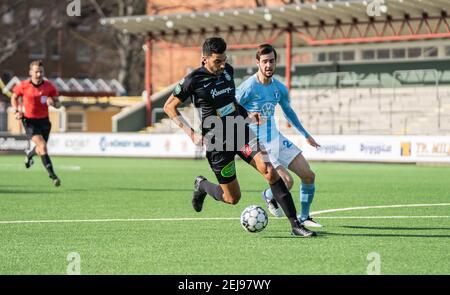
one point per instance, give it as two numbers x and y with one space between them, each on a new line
395 111
348 111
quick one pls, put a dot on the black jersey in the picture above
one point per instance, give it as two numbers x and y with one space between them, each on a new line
213 95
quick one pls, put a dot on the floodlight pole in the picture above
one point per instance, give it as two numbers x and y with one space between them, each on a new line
148 79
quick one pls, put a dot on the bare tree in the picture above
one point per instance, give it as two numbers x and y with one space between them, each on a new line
15 36
287 2
123 47
131 58
128 47
260 3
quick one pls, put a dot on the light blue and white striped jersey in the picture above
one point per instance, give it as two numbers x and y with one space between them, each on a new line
257 97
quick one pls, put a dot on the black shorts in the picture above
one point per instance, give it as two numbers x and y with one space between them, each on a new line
222 162
37 127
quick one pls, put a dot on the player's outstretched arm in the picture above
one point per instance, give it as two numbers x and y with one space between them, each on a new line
312 142
293 119
171 109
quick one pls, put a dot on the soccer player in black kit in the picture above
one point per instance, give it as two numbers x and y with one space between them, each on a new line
212 90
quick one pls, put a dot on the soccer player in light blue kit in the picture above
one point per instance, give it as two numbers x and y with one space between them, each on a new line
259 94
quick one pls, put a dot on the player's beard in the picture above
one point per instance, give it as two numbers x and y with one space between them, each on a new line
218 72
268 75
265 73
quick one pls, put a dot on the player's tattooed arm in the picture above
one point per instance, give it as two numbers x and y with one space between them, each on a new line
171 109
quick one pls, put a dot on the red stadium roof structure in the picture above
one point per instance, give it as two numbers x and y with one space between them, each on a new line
311 24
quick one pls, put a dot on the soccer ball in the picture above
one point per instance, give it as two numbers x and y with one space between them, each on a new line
254 219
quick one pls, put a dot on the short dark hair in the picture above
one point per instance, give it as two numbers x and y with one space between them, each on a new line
214 45
265 49
38 63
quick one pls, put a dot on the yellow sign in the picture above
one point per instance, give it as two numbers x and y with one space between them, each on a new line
406 149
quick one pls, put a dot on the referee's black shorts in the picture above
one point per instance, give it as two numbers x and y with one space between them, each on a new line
37 127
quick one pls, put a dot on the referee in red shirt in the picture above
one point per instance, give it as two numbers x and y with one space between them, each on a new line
37 95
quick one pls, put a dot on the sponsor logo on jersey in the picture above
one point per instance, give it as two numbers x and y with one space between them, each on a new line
226 110
177 89
215 93
227 76
268 109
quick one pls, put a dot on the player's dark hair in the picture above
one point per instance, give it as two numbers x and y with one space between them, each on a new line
214 45
265 49
38 63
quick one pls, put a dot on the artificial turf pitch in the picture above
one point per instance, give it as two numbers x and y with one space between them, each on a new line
134 216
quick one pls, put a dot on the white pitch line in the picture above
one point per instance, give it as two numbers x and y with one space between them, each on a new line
197 219
69 167
20 167
235 218
377 207
116 220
